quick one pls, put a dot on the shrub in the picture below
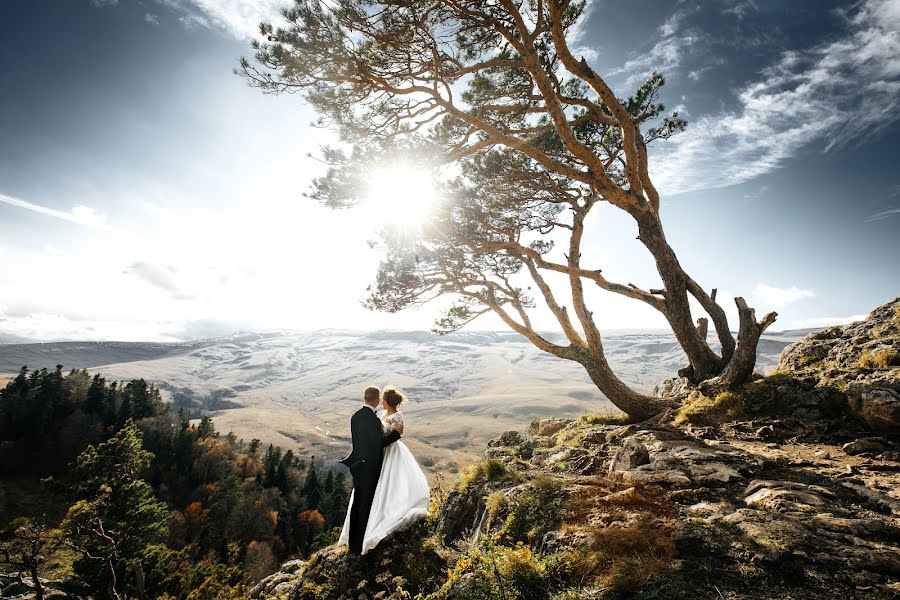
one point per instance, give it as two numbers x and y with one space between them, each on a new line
485 471
530 514
488 572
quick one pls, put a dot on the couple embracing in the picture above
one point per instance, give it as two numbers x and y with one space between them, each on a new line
390 490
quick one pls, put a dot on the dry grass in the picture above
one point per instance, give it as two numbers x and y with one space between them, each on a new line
604 497
627 556
607 417
629 529
881 358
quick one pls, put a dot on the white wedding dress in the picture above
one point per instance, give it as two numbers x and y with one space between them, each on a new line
401 496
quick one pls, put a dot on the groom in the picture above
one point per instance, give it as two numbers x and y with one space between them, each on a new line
364 462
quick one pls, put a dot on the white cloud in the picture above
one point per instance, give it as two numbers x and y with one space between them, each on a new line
83 215
240 18
825 321
838 93
780 297
741 8
161 276
577 35
88 216
666 54
192 21
885 214
46 327
759 193
151 18
104 3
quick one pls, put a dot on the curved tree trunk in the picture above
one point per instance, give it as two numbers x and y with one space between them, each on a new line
634 404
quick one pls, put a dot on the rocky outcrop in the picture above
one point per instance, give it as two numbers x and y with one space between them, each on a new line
21 586
787 488
866 352
665 511
281 583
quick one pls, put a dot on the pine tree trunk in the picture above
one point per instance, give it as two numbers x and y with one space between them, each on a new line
636 405
704 362
740 368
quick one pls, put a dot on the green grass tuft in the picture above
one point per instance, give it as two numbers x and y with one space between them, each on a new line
486 471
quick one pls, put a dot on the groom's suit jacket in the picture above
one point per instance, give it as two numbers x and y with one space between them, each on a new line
368 443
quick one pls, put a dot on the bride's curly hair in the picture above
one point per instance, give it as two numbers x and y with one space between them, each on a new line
393 397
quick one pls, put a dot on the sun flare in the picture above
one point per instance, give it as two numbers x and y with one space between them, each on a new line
401 196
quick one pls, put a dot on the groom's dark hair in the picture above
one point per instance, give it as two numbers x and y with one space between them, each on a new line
371 394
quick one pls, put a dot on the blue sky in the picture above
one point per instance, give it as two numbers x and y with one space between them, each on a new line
148 193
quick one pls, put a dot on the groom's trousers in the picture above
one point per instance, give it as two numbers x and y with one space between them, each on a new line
363 494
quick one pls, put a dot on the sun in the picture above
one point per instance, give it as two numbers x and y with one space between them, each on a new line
401 196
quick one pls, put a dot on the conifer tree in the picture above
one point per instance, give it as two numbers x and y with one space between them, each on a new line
115 516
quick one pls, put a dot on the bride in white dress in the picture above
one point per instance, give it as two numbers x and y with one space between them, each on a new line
402 494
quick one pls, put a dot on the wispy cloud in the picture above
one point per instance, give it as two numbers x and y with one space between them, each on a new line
151 18
759 193
885 214
161 276
83 215
666 54
837 93
780 297
894 192
50 327
240 18
741 8
104 3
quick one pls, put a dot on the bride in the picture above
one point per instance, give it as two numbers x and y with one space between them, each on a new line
401 496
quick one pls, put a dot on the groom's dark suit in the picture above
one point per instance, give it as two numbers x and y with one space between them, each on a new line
364 462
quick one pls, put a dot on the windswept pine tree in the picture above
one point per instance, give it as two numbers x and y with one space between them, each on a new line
537 138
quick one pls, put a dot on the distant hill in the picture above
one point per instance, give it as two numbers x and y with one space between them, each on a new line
298 390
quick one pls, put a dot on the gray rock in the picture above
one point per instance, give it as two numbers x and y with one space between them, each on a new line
878 407
507 438
630 455
677 387
547 427
673 477
879 498
292 566
857 527
863 445
780 498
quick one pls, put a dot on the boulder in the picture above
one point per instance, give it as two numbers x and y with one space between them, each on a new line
630 455
507 438
292 566
864 445
547 427
878 407
677 387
